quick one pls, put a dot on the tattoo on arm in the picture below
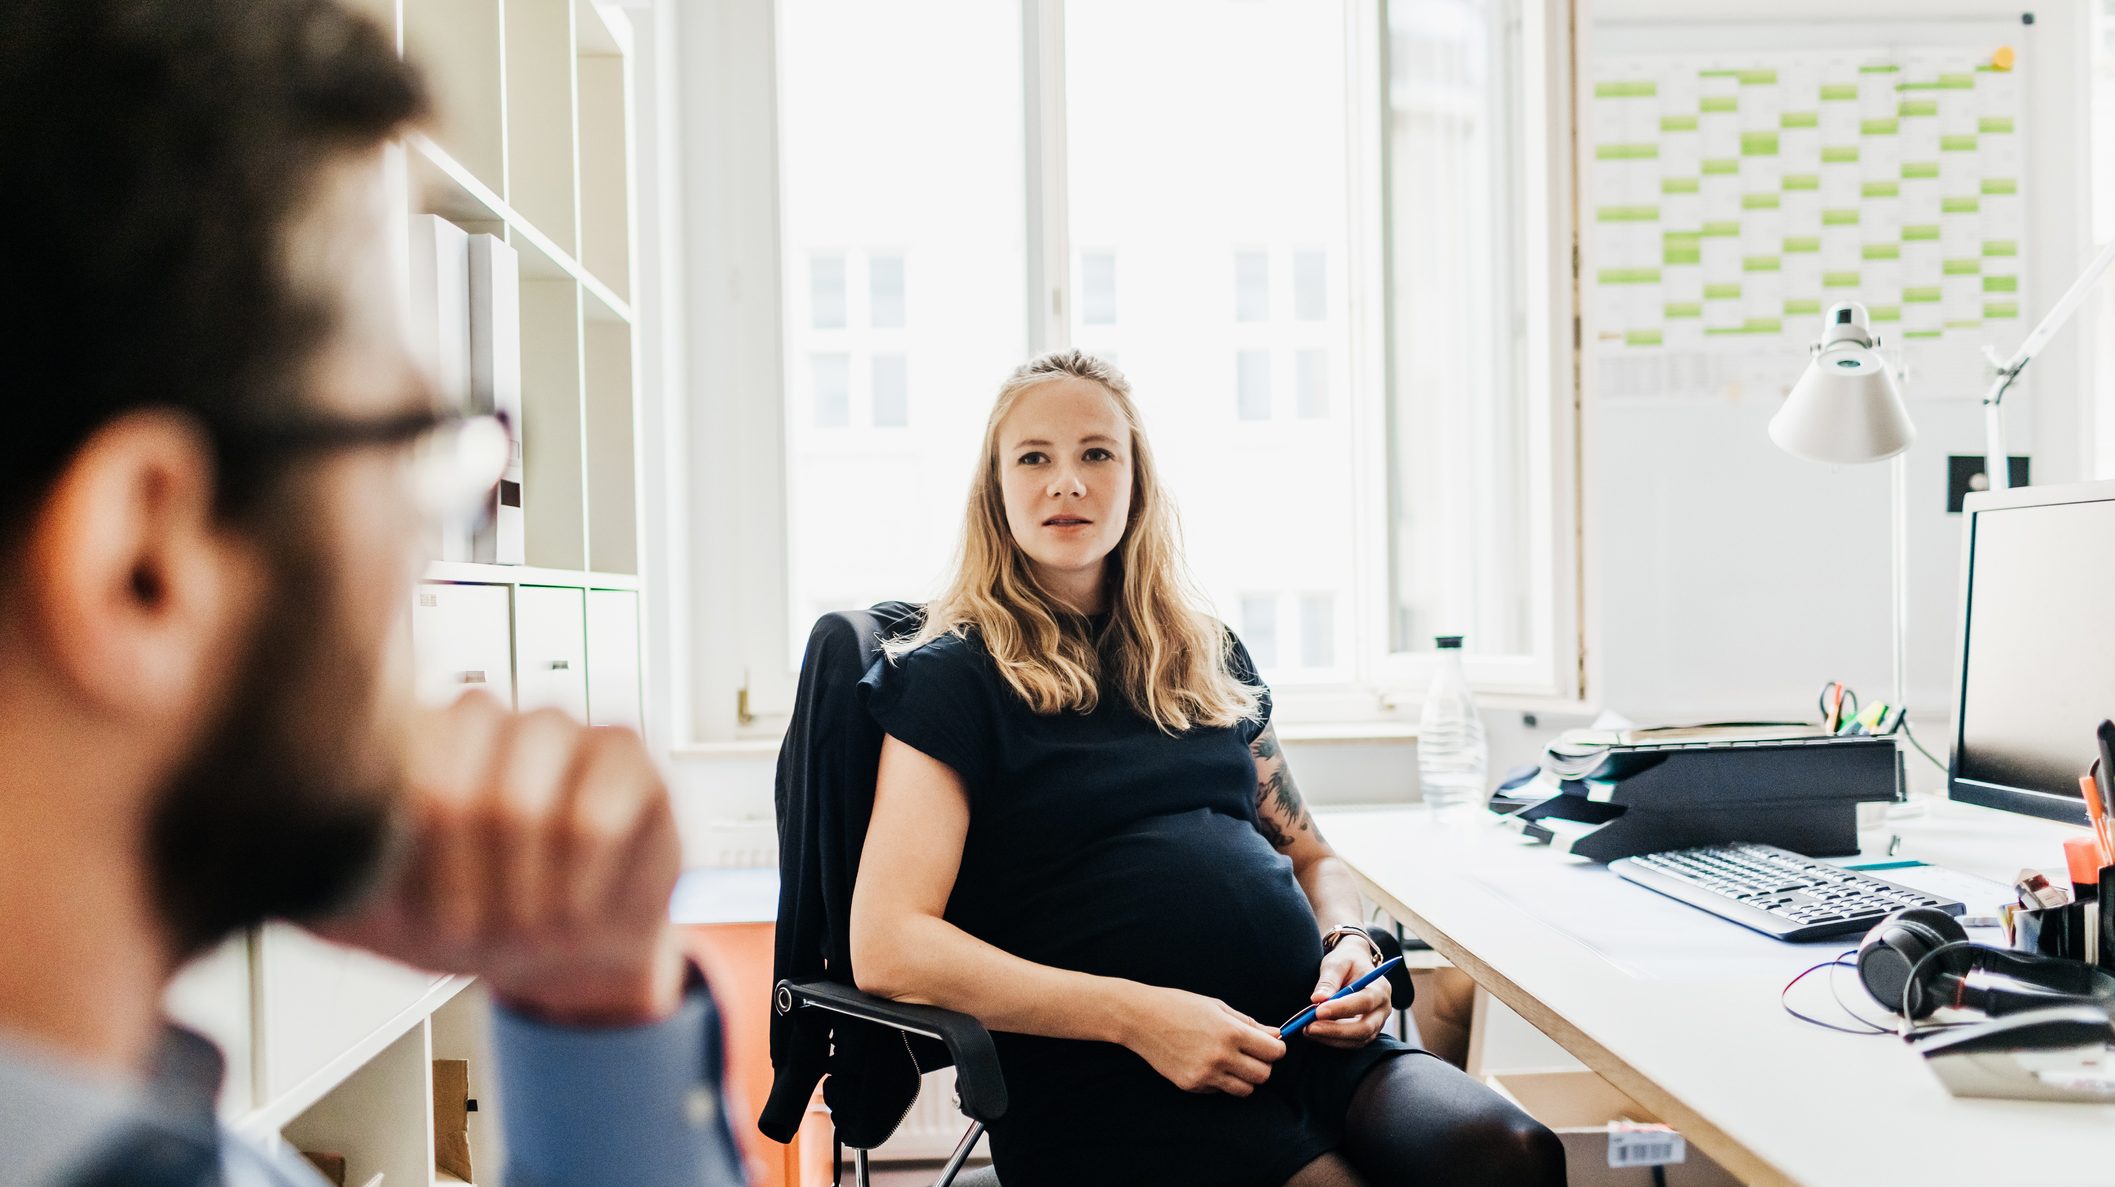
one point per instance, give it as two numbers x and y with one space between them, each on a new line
1279 810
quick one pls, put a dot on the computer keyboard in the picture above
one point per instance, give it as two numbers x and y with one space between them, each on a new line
1774 891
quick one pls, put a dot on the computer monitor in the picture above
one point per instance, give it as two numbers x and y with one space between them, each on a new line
2037 669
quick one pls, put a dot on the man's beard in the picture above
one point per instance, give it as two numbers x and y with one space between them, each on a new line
287 806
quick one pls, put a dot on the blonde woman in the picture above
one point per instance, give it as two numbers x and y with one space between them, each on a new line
1085 836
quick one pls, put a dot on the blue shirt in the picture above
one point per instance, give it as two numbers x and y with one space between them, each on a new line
633 1106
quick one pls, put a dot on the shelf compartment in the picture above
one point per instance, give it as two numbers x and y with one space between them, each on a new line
612 467
379 1118
462 1029
457 44
554 489
540 119
605 155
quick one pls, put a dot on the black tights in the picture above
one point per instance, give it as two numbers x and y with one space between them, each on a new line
1417 1120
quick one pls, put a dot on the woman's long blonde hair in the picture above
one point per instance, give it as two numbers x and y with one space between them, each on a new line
1167 656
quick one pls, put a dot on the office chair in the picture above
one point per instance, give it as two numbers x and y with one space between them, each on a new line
873 1051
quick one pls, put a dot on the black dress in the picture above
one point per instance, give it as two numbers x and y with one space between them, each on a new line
1099 843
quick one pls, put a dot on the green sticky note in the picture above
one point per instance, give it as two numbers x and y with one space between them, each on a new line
1674 255
1881 189
1968 267
1922 333
1756 78
1795 307
1802 245
1758 144
1679 185
1717 105
1880 68
1922 232
1920 296
1994 125
1956 82
1678 310
1626 90
1839 280
2001 309
1720 229
1799 119
1840 217
1956 144
1677 123
2001 284
1721 292
1802 181
1994 249
1920 170
1914 108
1641 337
1760 201
1763 325
1627 214
2001 185
1881 251
1839 92
1960 205
1965 323
1720 166
1761 264
1839 154
1630 276
1627 152
1879 127
1884 312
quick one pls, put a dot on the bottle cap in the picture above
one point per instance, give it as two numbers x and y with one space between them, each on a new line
1448 642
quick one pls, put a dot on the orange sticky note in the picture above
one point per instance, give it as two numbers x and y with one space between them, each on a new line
2003 58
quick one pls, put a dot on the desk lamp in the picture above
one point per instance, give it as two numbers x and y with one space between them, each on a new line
1846 410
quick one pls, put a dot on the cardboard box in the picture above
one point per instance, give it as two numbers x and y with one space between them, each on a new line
451 1119
1586 1110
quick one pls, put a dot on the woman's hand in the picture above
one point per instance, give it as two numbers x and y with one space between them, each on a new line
1351 1021
1201 1044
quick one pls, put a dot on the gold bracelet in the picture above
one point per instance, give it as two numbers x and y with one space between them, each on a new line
1337 933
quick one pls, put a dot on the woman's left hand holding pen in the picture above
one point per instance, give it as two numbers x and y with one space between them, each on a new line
1354 1020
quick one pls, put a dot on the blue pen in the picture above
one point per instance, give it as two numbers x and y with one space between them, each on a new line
1300 1020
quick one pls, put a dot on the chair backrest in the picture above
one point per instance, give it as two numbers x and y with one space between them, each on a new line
824 797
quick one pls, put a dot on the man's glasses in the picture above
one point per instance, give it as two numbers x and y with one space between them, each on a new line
455 459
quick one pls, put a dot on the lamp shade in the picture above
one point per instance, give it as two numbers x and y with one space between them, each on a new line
1846 408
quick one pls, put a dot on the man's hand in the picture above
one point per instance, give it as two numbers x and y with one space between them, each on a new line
1355 1020
541 858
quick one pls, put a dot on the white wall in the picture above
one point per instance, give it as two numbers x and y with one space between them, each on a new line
1726 579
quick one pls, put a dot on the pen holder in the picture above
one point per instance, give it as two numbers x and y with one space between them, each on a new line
2056 931
2107 919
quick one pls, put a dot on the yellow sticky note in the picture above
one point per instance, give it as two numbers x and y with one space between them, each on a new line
2003 58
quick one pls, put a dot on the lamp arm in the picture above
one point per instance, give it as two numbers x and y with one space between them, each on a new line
2010 369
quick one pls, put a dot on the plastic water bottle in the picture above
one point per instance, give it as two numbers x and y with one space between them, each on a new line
1451 754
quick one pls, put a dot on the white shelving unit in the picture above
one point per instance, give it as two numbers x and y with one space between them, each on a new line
331 1048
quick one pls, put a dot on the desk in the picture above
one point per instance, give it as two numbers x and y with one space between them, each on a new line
1680 1009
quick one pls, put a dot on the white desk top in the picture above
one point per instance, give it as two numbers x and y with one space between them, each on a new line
1680 1009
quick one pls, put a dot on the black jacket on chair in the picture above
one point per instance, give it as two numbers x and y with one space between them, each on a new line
825 797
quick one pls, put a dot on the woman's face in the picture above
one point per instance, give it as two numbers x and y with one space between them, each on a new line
1065 473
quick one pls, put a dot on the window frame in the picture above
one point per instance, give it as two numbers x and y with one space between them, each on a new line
734 557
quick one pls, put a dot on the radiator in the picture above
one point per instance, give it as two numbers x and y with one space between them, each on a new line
933 1127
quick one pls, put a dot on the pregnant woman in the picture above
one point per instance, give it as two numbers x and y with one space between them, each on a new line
1085 836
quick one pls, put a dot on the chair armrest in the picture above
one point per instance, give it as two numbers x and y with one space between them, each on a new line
978 1080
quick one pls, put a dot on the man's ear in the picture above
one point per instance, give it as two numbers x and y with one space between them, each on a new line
133 591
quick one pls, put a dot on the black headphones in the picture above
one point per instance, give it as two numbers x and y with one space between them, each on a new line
1920 958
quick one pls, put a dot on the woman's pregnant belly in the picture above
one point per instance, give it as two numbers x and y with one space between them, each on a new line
1196 901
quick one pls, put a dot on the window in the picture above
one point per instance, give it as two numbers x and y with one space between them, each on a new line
1458 442
1326 240
900 183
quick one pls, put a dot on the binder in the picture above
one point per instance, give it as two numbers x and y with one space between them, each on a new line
494 304
440 326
